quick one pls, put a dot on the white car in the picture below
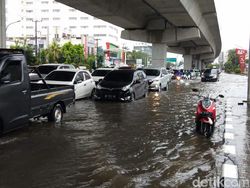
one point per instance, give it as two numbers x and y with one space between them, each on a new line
45 69
82 81
100 73
158 78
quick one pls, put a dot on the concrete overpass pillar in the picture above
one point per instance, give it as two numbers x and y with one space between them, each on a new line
2 24
188 62
159 54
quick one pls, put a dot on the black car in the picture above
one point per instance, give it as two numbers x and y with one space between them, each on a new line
210 75
123 85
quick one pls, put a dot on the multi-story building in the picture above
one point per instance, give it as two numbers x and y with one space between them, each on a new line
55 21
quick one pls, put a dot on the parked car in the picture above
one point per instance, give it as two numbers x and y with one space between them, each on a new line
21 100
99 74
210 75
82 81
158 78
123 85
45 69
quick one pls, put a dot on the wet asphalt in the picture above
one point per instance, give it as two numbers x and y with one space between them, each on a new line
150 142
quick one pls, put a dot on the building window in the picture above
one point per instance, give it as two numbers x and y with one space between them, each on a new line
56 10
99 26
29 3
72 27
84 18
56 18
100 35
29 11
72 18
45 2
29 19
29 27
45 10
72 10
45 19
44 27
84 27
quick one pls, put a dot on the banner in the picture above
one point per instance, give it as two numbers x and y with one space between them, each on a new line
241 53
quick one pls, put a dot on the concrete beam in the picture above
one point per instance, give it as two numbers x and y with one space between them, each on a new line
156 24
162 36
209 30
2 24
201 50
208 56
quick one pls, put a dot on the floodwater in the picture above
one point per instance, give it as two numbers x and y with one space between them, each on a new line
150 142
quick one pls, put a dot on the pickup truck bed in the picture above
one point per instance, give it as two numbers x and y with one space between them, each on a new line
42 98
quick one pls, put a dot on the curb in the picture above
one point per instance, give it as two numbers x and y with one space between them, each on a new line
230 176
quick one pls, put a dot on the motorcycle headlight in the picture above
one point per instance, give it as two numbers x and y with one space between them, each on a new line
125 88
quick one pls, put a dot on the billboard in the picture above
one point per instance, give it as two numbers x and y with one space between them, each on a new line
241 53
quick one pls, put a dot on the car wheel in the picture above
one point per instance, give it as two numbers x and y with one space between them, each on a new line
159 90
92 96
56 114
132 97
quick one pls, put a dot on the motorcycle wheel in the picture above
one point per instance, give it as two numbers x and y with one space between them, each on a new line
203 128
198 126
209 130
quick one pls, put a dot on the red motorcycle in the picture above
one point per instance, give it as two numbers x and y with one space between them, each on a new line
205 116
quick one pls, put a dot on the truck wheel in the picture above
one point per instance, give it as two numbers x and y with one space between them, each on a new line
56 114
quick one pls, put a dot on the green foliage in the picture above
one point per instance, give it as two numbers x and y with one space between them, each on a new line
237 70
90 62
72 54
137 55
232 65
31 60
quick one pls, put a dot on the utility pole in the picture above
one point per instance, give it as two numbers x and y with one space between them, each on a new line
36 47
2 24
96 62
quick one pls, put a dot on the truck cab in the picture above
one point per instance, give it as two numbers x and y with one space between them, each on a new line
21 100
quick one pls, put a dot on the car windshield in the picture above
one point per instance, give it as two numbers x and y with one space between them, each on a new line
211 71
152 72
63 76
119 76
46 69
100 72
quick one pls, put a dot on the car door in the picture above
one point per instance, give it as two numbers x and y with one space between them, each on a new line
79 85
139 84
14 93
164 78
89 84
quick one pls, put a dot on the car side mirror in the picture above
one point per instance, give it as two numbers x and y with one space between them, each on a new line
195 90
221 96
77 81
6 79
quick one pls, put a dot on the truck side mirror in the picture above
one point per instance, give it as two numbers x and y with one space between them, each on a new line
5 79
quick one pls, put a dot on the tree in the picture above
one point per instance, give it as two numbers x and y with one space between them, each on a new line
72 54
137 55
232 65
53 52
31 59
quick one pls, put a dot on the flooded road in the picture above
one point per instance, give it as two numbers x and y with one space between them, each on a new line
150 142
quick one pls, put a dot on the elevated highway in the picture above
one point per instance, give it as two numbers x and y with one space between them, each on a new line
188 27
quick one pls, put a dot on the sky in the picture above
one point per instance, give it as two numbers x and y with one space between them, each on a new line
234 22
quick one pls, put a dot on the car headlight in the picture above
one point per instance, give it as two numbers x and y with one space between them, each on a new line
125 88
156 81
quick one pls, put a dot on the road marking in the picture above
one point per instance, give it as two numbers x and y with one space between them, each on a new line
229 171
229 136
229 119
229 126
229 149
